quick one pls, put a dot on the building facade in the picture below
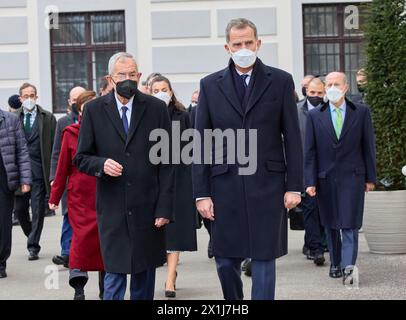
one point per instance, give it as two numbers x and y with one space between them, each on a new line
57 44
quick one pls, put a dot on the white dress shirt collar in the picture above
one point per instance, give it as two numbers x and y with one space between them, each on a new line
129 106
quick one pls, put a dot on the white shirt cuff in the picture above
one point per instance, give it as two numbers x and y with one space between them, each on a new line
296 192
205 198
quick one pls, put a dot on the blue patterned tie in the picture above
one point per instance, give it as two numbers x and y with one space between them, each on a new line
244 80
124 110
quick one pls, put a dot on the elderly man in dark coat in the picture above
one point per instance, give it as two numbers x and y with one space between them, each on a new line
15 172
248 212
340 168
134 196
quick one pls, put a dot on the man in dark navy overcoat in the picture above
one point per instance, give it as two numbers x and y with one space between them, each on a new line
248 211
339 169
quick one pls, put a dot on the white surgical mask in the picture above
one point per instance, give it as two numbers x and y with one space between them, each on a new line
164 96
244 58
29 104
334 94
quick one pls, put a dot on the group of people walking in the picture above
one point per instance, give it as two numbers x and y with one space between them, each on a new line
125 215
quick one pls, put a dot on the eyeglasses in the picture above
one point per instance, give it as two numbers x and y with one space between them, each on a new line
123 76
31 96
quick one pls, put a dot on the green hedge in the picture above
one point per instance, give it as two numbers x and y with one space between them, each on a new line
386 88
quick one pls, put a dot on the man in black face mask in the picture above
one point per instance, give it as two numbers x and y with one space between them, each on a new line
134 195
62 123
361 85
313 247
304 84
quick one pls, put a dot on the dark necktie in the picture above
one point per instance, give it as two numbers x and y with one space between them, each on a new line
124 110
27 124
244 80
245 92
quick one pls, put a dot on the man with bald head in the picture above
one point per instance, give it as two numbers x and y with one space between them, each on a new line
305 83
313 248
62 123
339 169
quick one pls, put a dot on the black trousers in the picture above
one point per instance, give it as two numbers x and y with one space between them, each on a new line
6 213
32 229
313 230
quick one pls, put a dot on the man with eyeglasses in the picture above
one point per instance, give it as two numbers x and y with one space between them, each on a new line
134 196
39 128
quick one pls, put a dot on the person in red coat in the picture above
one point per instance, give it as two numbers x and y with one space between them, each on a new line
85 254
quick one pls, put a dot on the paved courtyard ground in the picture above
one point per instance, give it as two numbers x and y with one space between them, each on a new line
381 276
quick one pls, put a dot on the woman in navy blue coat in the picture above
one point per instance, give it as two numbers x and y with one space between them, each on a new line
180 235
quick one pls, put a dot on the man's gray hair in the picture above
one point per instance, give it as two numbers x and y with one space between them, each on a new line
117 57
316 81
240 23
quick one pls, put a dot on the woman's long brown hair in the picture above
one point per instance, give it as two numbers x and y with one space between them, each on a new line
83 98
174 101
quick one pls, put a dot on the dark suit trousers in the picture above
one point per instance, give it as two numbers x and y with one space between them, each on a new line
343 247
312 226
6 212
263 278
34 228
142 285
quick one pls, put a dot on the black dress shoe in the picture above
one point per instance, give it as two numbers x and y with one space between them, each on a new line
244 264
33 256
3 274
335 272
305 250
350 277
61 261
248 269
310 255
79 296
319 259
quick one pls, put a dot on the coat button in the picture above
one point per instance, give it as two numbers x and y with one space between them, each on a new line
128 154
130 213
129 184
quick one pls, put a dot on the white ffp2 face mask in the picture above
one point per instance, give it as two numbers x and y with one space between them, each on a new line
334 94
29 105
244 58
164 96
